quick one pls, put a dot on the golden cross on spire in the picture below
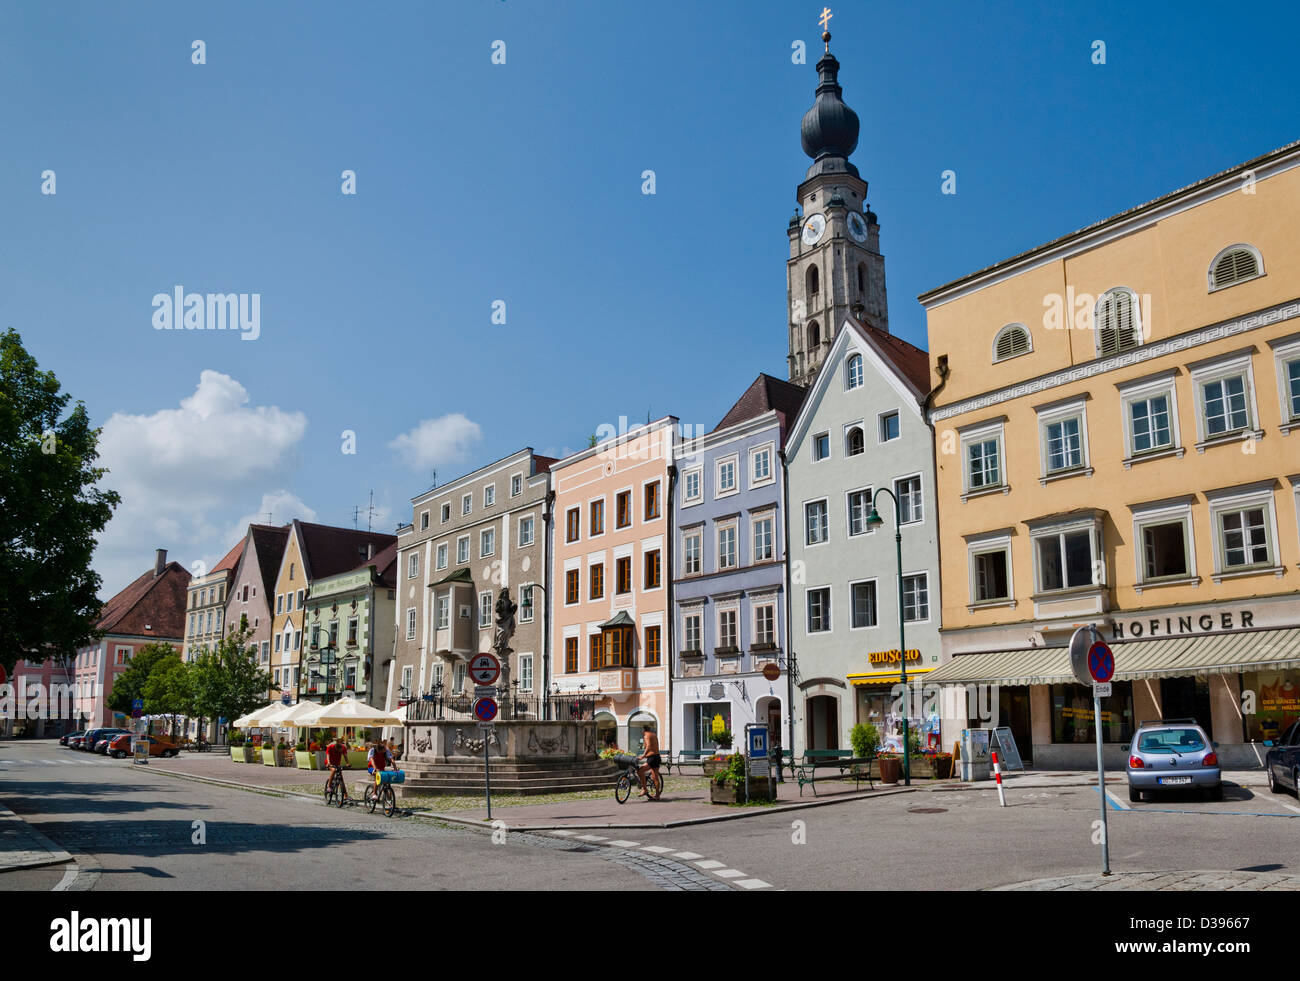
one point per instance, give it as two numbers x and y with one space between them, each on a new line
825 23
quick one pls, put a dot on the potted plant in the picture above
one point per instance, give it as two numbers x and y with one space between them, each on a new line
728 785
864 738
942 765
891 766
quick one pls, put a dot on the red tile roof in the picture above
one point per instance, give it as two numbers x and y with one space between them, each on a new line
385 564
327 551
152 606
232 557
765 394
911 361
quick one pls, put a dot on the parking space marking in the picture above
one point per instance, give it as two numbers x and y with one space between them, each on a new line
1116 803
1289 807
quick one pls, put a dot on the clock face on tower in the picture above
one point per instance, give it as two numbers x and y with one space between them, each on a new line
857 227
814 227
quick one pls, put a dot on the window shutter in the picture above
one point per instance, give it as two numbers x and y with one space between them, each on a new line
1116 325
1012 341
1235 267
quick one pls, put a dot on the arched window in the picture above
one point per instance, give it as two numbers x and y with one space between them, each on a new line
813 280
1235 264
1117 323
862 278
814 336
1011 341
856 442
853 372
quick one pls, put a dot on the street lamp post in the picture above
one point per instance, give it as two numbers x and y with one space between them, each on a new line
874 520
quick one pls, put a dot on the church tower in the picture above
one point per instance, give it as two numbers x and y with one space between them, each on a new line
835 267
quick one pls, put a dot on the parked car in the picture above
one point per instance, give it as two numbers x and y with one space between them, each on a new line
1282 761
90 742
67 739
105 737
121 746
1173 754
87 739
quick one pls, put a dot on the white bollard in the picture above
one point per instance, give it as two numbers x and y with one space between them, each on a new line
997 775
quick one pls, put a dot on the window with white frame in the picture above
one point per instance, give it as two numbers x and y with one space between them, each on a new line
526 603
727 557
692 486
516 485
1011 342
888 426
424 520
1245 529
760 466
1225 399
691 632
525 672
445 514
1286 357
410 623
821 446
862 598
1150 419
487 542
1235 264
726 476
466 503
1063 437
853 372
489 495
855 442
816 522
408 675
990 569
982 467
765 624
819 610
442 556
728 638
458 678
525 531
916 597
485 609
691 542
1163 538
859 508
763 549
462 549
1118 321
443 612
412 565
910 506
1067 556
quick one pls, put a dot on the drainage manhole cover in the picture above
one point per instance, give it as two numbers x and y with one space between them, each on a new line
927 810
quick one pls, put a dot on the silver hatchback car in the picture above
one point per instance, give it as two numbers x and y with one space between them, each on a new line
1173 754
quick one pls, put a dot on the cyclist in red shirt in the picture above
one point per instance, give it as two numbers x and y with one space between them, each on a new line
336 753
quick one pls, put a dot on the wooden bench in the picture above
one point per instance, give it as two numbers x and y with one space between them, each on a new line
684 756
838 759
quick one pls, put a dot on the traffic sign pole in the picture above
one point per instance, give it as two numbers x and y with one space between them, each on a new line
487 773
1096 715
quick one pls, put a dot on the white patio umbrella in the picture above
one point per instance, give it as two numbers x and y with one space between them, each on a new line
251 720
275 717
347 711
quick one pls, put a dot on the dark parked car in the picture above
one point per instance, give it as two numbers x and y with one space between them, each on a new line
92 737
1282 761
67 740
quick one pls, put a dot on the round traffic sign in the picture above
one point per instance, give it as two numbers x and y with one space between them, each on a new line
485 669
771 672
485 709
1101 662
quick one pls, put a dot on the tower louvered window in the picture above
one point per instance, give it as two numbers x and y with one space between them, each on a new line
1117 322
1233 265
1012 340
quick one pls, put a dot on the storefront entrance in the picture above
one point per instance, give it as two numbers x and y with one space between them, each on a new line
1013 712
1186 698
823 723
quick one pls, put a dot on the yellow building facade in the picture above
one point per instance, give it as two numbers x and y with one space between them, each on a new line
1116 444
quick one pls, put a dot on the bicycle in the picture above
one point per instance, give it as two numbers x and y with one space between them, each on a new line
654 783
336 790
383 795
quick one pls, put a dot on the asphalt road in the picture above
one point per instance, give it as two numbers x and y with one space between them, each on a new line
134 830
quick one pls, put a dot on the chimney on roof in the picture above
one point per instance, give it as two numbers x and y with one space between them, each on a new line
159 561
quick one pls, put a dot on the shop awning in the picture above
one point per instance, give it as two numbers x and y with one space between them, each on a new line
1175 657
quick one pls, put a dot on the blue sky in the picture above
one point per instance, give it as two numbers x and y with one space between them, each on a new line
522 182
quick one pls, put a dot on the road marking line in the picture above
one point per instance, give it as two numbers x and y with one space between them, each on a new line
1117 803
753 884
1290 807
69 877
592 838
728 873
625 844
709 863
657 849
687 856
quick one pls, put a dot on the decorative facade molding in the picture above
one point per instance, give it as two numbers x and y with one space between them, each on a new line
1147 352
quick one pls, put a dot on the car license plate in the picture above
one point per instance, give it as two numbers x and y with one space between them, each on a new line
1173 780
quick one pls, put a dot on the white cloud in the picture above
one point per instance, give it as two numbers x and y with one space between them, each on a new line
184 473
282 505
437 442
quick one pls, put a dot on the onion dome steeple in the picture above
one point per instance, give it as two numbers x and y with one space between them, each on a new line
829 131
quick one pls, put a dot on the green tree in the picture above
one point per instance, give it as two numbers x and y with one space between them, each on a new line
167 690
227 682
130 684
50 513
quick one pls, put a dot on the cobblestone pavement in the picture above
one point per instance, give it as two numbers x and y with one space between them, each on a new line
1162 882
23 847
